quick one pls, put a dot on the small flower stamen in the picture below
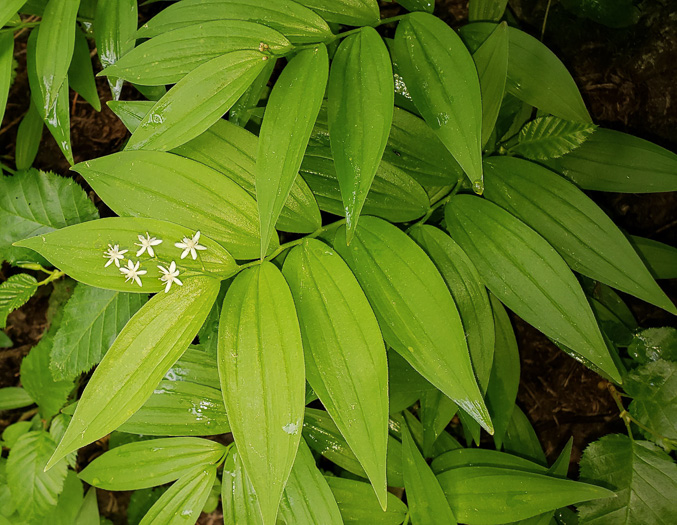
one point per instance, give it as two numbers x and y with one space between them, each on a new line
147 244
114 255
189 246
170 276
132 272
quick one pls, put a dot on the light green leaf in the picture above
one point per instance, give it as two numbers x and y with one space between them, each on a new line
359 506
486 9
70 501
660 258
643 476
614 161
535 75
14 293
151 463
514 261
298 23
13 397
346 12
139 358
347 368
653 388
79 251
81 73
238 499
436 412
586 238
91 320
34 491
290 114
443 83
6 67
28 137
360 113
260 358
475 457
521 439
197 101
167 58
652 344
88 514
184 500
14 431
415 310
8 10
243 110
115 24
551 137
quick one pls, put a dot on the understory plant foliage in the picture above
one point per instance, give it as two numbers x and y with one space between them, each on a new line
321 219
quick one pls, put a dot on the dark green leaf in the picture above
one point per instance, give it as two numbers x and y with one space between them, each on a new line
653 388
652 344
14 293
347 12
474 457
551 137
359 506
611 13
418 5
436 412
140 503
6 66
28 138
405 384
660 258
521 439
81 73
13 397
486 10
70 501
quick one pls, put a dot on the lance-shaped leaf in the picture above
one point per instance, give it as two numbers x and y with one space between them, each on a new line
260 358
243 110
660 258
298 23
239 501
436 412
6 65
290 114
197 101
358 504
150 463
163 186
28 137
614 161
146 348
360 112
551 137
573 224
167 58
54 48
521 439
442 79
415 310
347 369
346 12
468 457
8 9
115 24
81 73
80 251
486 9
514 262
13 397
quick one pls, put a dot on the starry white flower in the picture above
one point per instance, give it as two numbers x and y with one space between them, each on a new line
114 255
190 245
147 244
170 276
132 272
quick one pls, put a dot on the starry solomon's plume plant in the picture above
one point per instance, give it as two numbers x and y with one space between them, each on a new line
342 246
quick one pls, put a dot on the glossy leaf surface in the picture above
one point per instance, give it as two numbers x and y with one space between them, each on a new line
347 12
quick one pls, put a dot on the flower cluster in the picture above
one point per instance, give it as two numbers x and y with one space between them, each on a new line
133 272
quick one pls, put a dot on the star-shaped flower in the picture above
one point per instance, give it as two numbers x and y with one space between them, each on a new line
132 272
190 245
114 255
170 276
147 243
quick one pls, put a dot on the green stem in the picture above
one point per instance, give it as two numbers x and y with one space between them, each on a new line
56 274
18 27
441 202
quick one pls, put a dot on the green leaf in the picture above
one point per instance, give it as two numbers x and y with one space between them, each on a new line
514 261
415 310
290 114
6 67
14 293
521 439
346 12
478 457
88 514
418 5
443 83
70 501
35 203
643 476
298 23
28 137
167 58
494 495
141 502
427 502
405 384
653 388
238 499
81 73
92 319
585 237
115 24
486 10
535 75
197 101
358 504
184 500
260 358
360 113
307 497
436 412
151 463
393 195
614 161
491 59
652 344
79 251
660 258
163 186
12 397
8 9
551 137
242 111
347 369
139 358
34 491
14 431
611 13
505 373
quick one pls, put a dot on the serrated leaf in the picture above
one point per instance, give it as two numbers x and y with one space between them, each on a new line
347 369
28 137
443 82
298 23
415 310
486 9
260 357
139 358
197 101
12 397
81 73
360 113
521 439
660 258
358 504
8 10
34 491
290 114
585 237
652 344
14 293
653 388
643 476
91 320
513 261
6 67
551 137
239 501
